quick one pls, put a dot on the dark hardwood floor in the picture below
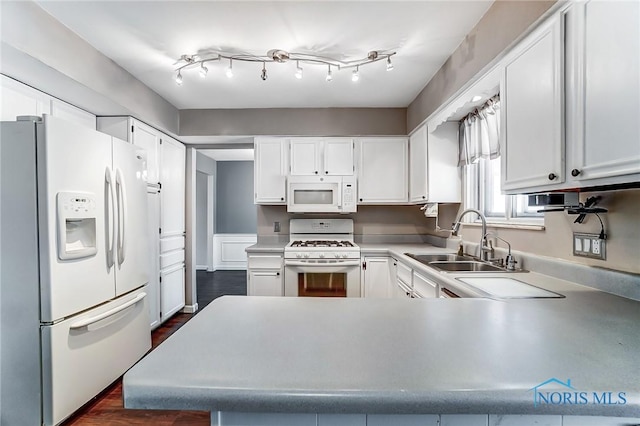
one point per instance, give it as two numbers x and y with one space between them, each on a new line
107 408
212 285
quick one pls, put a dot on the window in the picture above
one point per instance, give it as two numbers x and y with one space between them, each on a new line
482 192
480 161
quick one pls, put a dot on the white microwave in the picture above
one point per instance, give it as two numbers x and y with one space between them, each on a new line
321 194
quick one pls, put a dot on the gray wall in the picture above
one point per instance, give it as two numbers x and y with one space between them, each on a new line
235 211
294 121
504 22
201 219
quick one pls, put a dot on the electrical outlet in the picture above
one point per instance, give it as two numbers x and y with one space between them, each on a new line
589 245
276 226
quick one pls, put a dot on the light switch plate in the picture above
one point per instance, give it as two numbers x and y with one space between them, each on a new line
589 245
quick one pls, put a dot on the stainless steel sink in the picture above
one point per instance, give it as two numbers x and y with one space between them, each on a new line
443 257
465 266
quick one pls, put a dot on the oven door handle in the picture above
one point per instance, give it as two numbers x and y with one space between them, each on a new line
322 264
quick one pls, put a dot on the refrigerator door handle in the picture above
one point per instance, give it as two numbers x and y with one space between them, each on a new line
110 218
91 320
122 214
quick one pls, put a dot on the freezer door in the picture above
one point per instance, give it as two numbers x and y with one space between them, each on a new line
82 355
132 240
73 169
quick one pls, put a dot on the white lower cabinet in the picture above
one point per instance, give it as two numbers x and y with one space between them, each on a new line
265 275
404 282
171 291
375 278
424 287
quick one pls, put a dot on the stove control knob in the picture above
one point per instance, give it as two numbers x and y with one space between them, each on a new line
298 255
344 256
306 255
321 256
337 255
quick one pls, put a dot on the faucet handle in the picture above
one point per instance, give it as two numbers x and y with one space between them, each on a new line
510 262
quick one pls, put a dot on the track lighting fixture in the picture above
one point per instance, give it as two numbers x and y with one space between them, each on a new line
329 75
281 56
355 75
298 71
263 75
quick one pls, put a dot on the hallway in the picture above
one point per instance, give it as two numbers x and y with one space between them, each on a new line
212 285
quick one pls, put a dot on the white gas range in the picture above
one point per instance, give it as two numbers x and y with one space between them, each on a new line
321 259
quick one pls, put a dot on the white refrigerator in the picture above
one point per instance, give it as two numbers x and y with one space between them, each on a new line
73 267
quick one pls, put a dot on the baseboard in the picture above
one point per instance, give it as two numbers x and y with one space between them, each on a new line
201 267
190 309
232 268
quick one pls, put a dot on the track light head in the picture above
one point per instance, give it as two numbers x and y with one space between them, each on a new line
203 71
178 78
355 75
389 64
263 74
229 71
329 75
298 71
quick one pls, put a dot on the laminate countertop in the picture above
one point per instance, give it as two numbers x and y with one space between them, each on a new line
467 355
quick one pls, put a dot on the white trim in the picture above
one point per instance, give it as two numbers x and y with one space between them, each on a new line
190 309
202 268
229 250
509 225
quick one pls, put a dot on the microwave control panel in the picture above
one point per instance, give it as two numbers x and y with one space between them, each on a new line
348 194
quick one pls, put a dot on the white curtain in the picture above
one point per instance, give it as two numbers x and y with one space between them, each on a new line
480 133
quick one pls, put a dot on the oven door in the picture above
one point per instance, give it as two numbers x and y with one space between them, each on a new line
311 195
322 278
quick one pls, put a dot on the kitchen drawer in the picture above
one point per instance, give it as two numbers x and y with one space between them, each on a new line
423 287
171 243
172 258
404 273
265 261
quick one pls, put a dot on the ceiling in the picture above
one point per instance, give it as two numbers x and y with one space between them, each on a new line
147 37
245 154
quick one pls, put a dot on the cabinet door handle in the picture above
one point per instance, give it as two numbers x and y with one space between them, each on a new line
552 176
575 172
316 172
281 198
326 172
423 197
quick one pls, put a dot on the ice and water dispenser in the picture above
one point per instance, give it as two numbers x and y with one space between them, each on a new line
76 225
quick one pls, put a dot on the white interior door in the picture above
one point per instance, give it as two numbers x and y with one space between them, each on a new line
132 242
73 159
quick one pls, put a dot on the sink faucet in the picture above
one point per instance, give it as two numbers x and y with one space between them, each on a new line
510 261
483 247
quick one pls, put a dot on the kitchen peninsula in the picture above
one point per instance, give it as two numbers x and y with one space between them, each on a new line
306 360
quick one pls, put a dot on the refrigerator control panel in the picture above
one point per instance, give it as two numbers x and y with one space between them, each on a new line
76 225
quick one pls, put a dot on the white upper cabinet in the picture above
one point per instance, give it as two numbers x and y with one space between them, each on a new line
418 166
172 193
603 93
532 94
443 173
321 156
382 170
270 171
434 174
19 99
148 138
139 134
